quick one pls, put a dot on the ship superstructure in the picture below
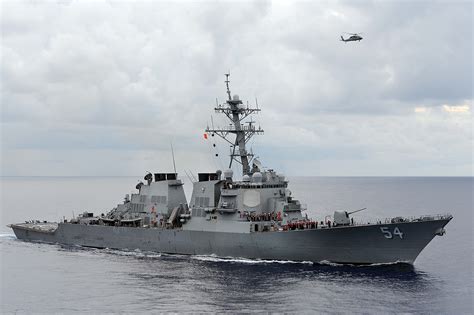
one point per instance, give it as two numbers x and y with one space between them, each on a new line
254 217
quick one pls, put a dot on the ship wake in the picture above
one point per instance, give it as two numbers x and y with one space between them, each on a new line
7 236
241 260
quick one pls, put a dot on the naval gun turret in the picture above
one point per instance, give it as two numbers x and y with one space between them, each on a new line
342 217
252 215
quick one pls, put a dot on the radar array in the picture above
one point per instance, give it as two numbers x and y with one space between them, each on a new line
236 112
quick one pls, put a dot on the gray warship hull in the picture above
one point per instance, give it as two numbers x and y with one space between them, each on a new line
355 244
255 216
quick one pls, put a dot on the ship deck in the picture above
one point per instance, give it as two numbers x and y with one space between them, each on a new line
44 227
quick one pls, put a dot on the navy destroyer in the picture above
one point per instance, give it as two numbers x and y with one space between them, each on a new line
252 215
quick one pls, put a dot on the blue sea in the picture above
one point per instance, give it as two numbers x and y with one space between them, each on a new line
41 278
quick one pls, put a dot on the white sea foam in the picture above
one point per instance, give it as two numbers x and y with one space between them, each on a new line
233 260
132 253
213 258
7 236
241 260
330 263
388 264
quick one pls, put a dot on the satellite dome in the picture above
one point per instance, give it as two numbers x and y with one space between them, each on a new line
257 177
235 98
246 178
228 174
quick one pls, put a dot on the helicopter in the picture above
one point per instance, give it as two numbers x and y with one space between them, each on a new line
354 37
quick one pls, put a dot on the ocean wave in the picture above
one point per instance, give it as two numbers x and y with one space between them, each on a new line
334 264
241 260
330 263
7 236
398 262
139 254
132 253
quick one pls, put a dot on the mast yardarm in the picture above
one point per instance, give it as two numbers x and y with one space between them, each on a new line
243 130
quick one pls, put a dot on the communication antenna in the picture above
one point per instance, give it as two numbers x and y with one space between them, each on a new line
236 112
172 153
227 84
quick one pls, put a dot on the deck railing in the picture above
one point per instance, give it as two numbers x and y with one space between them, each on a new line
400 219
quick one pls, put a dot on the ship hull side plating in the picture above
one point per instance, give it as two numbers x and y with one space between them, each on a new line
360 244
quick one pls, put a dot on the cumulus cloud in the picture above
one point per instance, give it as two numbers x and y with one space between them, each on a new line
457 108
100 88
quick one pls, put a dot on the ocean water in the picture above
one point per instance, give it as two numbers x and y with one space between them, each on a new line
41 278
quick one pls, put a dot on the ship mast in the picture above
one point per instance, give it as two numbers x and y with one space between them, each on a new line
237 112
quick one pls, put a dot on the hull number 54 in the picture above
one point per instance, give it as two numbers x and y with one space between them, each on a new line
388 234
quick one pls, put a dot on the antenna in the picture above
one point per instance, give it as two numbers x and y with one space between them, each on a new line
236 112
227 84
172 153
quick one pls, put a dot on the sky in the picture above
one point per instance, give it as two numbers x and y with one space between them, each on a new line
102 88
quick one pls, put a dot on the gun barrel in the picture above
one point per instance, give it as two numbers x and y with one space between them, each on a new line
356 211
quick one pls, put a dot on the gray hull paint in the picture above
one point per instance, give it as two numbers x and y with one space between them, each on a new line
360 244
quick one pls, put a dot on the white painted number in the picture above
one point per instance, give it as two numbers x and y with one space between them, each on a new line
388 234
396 231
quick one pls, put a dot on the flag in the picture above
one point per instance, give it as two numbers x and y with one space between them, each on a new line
205 136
